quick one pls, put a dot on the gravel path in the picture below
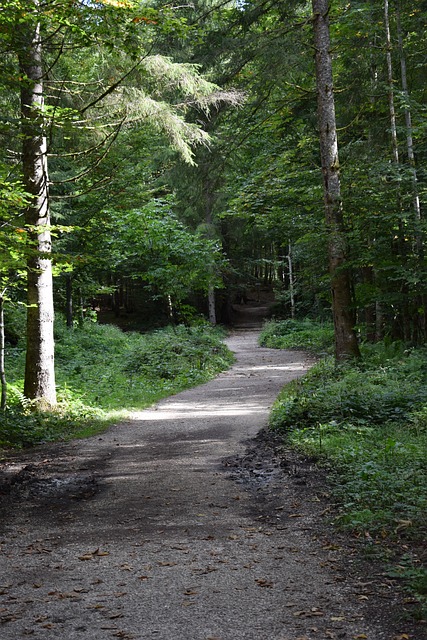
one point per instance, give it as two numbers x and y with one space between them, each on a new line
178 525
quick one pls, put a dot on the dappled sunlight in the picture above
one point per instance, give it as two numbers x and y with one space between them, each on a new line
294 366
187 411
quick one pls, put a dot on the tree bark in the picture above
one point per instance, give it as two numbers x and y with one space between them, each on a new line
346 345
212 305
291 281
421 323
2 354
69 300
39 369
392 109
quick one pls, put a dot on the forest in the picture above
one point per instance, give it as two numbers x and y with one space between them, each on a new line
160 163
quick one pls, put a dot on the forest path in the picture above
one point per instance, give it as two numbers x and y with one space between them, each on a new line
179 525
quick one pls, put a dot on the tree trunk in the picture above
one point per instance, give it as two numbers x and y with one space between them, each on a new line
211 305
291 281
69 300
2 349
39 369
421 303
345 338
392 110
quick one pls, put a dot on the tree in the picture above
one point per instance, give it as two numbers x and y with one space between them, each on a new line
39 368
47 41
345 338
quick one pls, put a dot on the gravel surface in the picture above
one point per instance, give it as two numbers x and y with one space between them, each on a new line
188 522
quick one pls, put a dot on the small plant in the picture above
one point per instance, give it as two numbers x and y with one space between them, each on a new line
298 334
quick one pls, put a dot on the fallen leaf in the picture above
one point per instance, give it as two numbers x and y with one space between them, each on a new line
190 592
180 548
331 547
261 582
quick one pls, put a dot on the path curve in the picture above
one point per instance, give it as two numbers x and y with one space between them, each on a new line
142 533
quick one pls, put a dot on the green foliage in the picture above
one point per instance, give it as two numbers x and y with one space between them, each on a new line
22 425
102 371
367 421
298 334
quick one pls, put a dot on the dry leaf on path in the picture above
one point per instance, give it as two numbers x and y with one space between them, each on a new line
261 582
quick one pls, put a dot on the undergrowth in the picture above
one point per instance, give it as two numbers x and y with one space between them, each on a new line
366 421
102 372
298 334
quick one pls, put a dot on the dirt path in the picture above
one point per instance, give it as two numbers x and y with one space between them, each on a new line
179 526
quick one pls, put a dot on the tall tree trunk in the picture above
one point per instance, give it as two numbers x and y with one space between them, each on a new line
392 110
209 196
291 280
421 303
345 338
403 324
2 354
409 136
39 369
212 305
69 300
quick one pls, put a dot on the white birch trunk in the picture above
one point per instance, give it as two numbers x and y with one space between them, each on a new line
39 369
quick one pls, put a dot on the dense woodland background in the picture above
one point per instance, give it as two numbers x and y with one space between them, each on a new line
161 165
173 153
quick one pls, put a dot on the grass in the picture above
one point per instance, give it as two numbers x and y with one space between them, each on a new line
102 373
366 422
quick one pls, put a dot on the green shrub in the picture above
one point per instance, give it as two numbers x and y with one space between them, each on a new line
298 334
367 422
101 371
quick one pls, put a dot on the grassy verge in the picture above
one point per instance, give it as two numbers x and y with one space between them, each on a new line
102 373
367 423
